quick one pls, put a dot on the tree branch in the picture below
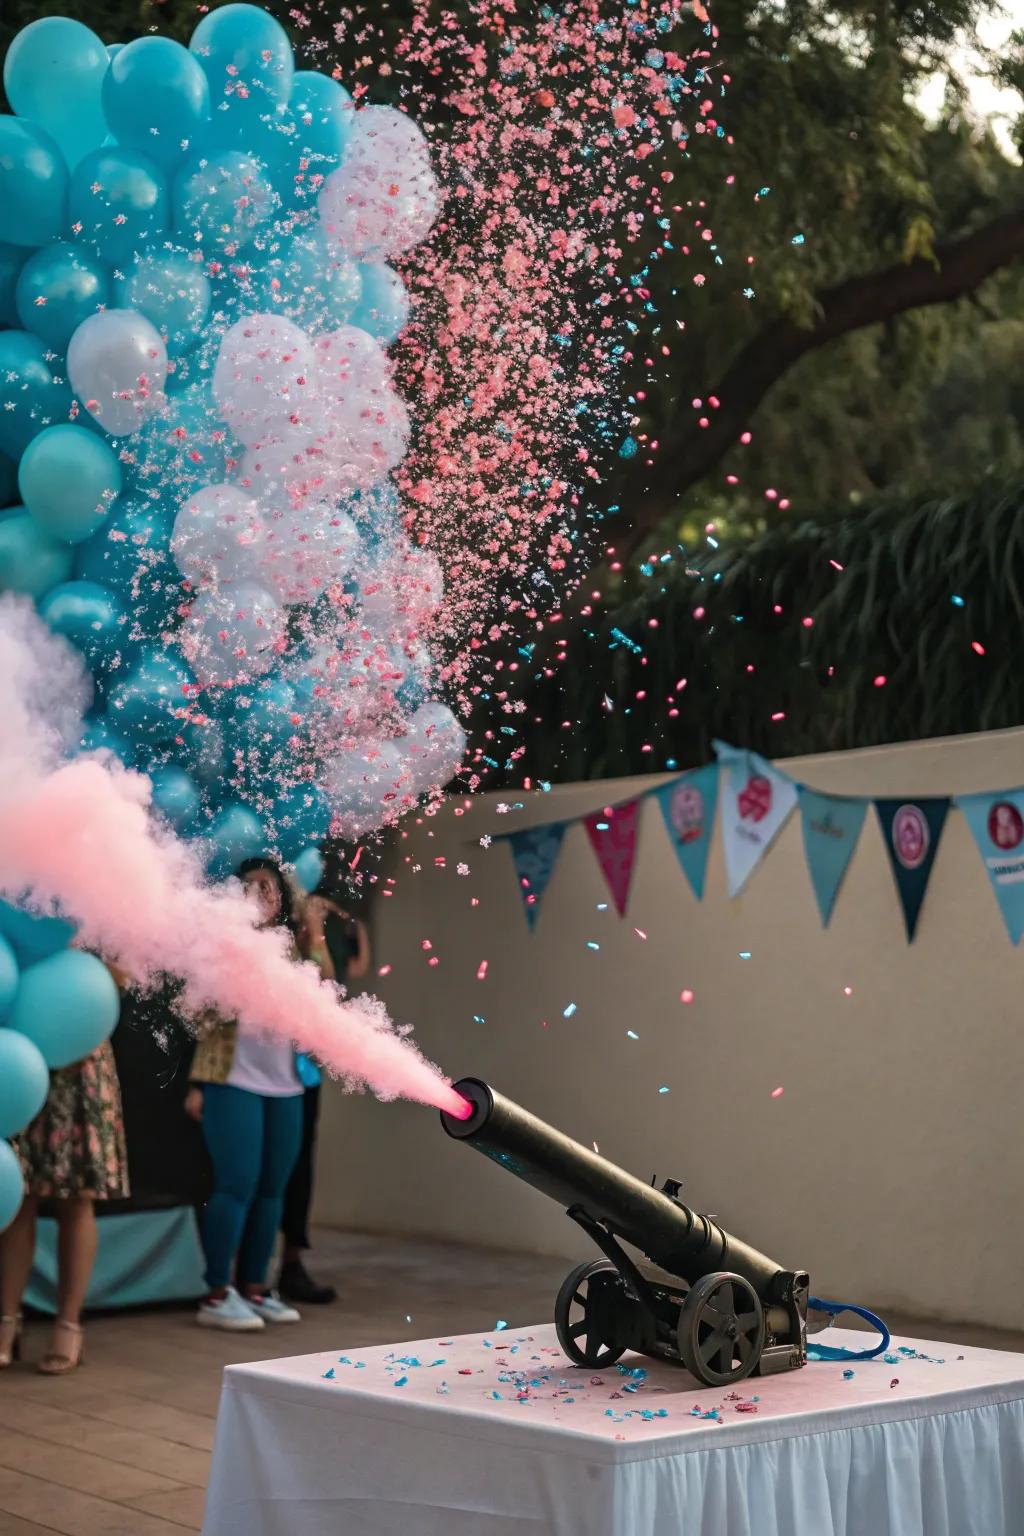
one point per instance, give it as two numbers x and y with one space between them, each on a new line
958 268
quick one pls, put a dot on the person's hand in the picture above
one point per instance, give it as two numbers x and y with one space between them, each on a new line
314 916
194 1103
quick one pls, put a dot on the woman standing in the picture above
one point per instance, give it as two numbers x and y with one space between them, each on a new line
72 1154
247 1093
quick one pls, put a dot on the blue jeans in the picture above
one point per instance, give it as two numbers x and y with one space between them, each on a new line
254 1142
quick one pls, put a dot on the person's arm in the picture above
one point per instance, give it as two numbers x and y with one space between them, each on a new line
313 939
360 961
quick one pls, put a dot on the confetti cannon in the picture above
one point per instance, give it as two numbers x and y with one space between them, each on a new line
710 1301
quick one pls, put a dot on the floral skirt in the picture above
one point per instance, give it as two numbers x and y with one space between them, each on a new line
76 1144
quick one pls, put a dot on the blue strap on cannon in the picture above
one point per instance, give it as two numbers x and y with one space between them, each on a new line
833 1352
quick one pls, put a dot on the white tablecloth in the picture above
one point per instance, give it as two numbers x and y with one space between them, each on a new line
496 1435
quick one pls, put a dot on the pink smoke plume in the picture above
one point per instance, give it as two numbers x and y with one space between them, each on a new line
79 835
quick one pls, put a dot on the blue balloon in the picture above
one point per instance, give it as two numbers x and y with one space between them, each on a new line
265 718
383 308
12 259
247 59
96 736
53 74
12 1185
309 869
235 834
32 396
156 98
69 479
130 553
176 798
67 1005
317 286
172 290
222 199
325 114
30 561
59 287
33 938
182 448
90 618
119 203
203 752
33 184
299 816
149 705
24 1081
8 987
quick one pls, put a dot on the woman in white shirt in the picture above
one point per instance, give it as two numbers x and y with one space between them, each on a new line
247 1093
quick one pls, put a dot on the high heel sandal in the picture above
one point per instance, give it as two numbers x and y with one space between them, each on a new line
10 1340
58 1363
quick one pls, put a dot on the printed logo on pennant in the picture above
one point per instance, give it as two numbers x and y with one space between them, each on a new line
997 826
688 809
755 801
910 836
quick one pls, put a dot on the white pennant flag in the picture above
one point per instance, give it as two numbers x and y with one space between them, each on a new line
756 804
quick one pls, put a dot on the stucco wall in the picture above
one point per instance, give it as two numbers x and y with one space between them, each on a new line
891 1165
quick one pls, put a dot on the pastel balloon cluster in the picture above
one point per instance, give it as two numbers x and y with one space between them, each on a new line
199 424
56 1006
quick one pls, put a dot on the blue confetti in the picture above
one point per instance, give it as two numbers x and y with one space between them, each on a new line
329 1375
957 602
848 1375
500 1324
568 1012
402 1381
663 1089
632 1034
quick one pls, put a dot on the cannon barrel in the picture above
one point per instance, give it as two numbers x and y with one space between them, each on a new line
672 1236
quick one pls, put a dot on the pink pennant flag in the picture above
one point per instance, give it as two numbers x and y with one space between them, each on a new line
612 834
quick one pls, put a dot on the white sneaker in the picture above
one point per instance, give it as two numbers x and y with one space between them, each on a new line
269 1308
231 1312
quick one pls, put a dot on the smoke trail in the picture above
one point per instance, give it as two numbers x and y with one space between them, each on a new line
80 834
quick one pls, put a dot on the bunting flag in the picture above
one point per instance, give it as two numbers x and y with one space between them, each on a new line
612 834
831 829
756 804
688 806
997 822
535 853
911 830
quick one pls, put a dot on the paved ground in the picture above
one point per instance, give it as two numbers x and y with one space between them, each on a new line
121 1448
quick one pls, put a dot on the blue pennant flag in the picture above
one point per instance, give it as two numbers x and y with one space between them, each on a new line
997 822
535 853
688 806
911 830
831 829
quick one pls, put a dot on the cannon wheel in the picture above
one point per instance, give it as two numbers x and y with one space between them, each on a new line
721 1329
572 1311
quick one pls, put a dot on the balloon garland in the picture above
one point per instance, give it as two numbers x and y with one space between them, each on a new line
198 422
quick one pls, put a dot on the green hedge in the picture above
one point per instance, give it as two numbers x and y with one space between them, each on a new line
919 586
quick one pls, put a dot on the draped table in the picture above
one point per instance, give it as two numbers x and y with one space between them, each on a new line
497 1435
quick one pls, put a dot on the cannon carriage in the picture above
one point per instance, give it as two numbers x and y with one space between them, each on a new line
704 1298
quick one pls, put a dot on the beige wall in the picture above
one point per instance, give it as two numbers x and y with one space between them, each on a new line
891 1166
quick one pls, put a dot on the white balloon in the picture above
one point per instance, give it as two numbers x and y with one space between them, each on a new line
218 535
368 787
384 196
348 363
399 591
307 549
233 634
434 746
262 378
117 365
